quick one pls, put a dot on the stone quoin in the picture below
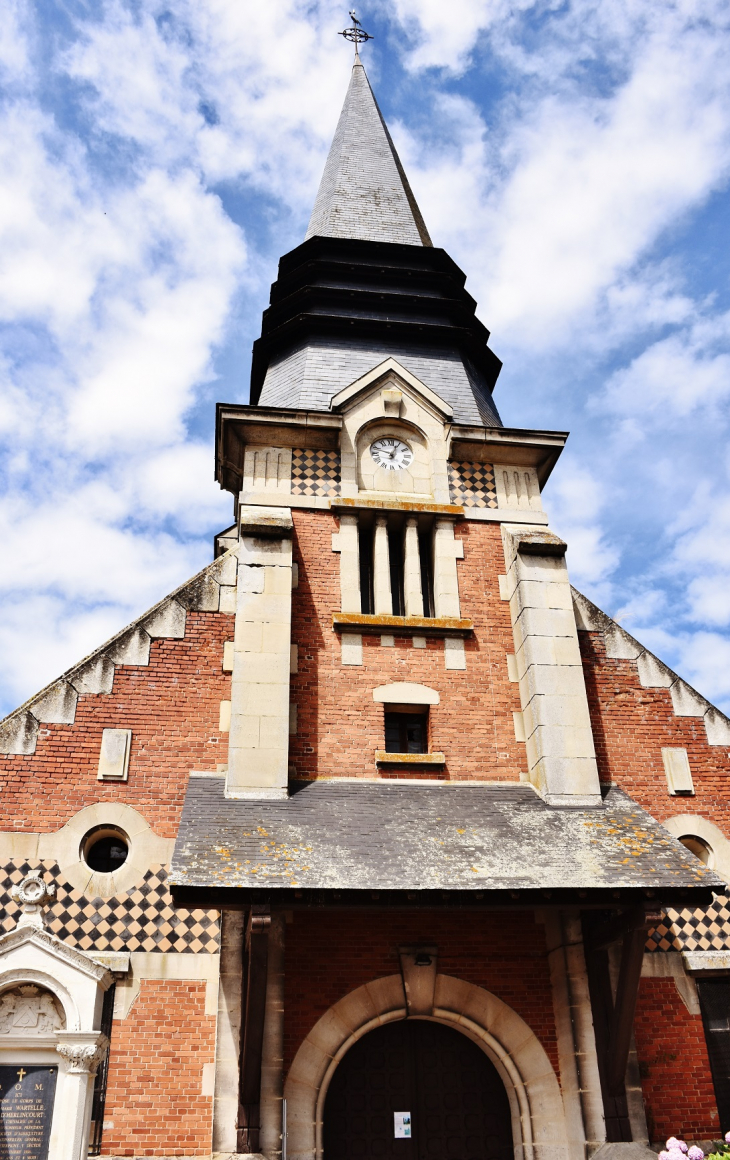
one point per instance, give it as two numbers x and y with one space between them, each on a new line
376 837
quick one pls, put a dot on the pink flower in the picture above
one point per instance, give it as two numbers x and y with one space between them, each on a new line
727 1137
695 1153
675 1145
668 1155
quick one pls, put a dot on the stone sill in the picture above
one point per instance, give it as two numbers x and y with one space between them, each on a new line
402 625
398 504
384 758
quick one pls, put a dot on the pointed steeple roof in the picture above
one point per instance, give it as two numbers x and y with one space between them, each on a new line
364 192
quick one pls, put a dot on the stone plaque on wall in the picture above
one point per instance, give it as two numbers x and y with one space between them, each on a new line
26 1110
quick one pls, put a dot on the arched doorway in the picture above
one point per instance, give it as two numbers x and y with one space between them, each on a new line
457 1102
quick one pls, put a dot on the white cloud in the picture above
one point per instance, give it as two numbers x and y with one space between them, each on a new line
120 269
702 556
176 483
236 89
567 184
43 640
445 35
677 375
14 63
705 661
121 288
575 501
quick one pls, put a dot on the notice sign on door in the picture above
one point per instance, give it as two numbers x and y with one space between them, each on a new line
402 1125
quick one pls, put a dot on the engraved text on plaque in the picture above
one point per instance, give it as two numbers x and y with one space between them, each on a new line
26 1109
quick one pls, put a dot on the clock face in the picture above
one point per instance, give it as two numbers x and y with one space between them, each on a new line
391 454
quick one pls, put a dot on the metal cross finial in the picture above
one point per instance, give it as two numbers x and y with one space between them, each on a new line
357 34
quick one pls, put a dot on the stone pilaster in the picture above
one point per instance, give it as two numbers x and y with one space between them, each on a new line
349 549
561 758
258 749
445 581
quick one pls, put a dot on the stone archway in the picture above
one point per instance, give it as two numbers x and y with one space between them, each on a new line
538 1117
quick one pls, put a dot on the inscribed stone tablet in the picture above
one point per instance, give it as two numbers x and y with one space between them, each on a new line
26 1110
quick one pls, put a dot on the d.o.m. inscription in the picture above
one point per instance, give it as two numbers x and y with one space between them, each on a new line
26 1110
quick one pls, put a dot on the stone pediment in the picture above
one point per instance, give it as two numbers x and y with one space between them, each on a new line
388 373
55 951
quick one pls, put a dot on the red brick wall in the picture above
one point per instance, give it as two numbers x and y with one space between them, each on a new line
171 706
676 1078
339 724
632 724
156 1071
329 953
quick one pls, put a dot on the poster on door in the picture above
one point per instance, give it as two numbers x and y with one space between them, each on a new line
402 1125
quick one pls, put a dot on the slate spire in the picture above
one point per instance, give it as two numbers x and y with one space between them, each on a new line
364 192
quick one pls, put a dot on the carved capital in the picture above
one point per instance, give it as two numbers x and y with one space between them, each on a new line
83 1058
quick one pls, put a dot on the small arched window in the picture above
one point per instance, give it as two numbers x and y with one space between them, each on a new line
700 848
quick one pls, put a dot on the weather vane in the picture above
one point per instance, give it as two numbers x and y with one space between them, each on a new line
357 34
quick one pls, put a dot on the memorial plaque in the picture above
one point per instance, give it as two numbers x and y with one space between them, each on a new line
26 1110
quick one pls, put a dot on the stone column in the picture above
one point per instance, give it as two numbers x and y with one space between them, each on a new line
228 1033
81 1053
349 548
445 581
258 745
272 1064
412 571
381 569
579 1078
561 758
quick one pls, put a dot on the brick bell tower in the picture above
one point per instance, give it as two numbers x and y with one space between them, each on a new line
411 816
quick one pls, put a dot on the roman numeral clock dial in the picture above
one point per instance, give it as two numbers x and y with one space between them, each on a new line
391 454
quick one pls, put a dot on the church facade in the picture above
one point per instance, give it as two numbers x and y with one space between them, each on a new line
375 838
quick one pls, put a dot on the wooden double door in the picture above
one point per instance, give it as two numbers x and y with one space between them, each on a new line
450 1091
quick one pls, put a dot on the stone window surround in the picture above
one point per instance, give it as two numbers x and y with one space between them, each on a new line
694 825
64 846
406 695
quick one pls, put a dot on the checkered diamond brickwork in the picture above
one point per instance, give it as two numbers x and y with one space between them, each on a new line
701 929
142 919
472 484
315 472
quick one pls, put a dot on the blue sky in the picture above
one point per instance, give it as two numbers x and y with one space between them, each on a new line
157 158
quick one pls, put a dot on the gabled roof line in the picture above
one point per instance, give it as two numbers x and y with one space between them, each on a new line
390 367
653 673
94 675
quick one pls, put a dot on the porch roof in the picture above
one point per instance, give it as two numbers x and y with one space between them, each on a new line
335 841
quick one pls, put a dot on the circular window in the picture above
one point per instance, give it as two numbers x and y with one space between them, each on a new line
699 848
105 849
